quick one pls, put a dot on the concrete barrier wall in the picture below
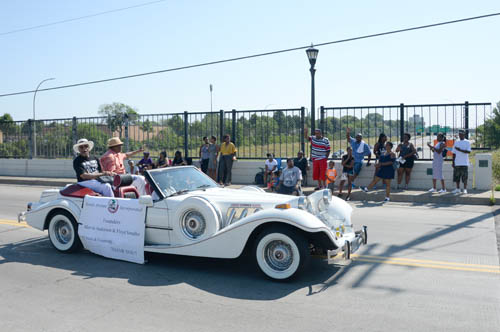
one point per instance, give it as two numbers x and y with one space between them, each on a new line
244 172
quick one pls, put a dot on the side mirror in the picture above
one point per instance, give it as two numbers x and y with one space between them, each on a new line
146 200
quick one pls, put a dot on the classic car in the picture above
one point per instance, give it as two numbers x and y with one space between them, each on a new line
190 214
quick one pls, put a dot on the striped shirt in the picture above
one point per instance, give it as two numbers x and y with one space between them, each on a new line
320 148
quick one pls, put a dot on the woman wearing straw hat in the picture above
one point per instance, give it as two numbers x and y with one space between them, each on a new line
88 170
112 161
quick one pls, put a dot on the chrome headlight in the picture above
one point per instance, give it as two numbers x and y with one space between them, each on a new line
301 203
325 200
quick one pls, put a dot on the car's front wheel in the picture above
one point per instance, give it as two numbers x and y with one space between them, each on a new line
281 253
63 232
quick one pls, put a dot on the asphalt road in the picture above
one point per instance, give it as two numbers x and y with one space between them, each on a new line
427 267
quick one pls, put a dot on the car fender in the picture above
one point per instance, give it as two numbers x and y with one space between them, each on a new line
231 241
37 217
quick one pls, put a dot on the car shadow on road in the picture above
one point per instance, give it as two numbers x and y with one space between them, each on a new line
233 278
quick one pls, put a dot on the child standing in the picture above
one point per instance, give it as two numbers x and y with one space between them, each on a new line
347 173
331 175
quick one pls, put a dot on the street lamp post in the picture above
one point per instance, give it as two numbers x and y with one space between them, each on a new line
211 104
312 54
34 122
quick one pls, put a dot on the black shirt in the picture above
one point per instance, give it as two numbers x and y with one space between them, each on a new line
86 165
344 158
301 164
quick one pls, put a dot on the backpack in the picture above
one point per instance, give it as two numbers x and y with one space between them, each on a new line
259 178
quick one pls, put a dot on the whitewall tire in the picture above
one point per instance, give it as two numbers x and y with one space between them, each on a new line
63 232
281 253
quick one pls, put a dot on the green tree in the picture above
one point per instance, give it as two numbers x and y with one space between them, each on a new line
488 134
115 114
7 125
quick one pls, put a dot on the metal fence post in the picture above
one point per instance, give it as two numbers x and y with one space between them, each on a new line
30 138
401 121
186 143
74 130
322 119
233 126
466 119
221 124
126 133
302 124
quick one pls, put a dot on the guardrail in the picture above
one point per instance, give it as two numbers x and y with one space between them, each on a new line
254 132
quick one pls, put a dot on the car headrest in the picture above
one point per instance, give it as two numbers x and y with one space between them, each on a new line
121 180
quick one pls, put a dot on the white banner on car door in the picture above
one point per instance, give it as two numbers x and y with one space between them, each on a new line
113 227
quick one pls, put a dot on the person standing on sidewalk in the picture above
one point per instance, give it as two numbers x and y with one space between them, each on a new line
437 162
347 173
227 156
461 150
204 155
359 150
407 154
320 150
213 151
385 171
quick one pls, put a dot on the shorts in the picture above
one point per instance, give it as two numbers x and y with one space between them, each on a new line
319 169
331 186
357 167
408 163
287 190
345 176
460 173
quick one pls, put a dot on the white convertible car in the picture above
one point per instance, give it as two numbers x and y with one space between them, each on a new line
189 214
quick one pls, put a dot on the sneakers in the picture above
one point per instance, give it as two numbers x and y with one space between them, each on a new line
387 199
465 191
432 190
364 189
442 191
348 198
456 191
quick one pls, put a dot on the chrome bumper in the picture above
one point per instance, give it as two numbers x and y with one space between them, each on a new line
21 217
342 256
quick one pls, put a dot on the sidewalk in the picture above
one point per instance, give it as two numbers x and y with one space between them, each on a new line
474 197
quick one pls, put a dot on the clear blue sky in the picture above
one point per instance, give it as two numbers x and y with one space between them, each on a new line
452 63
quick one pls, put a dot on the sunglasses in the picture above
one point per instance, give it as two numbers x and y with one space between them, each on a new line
82 147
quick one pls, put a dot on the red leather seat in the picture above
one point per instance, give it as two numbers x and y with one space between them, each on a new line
126 192
75 190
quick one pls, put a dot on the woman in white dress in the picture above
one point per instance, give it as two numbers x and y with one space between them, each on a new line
437 162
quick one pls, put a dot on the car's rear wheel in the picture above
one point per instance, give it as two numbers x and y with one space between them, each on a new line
281 253
63 232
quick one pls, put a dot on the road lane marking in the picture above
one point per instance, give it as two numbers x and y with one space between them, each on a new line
432 266
13 223
412 260
424 263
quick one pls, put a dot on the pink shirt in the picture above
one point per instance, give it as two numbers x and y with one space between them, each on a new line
113 162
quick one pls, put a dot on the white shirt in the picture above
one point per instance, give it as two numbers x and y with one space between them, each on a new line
461 159
270 164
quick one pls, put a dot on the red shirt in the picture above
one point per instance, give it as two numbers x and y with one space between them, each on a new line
113 162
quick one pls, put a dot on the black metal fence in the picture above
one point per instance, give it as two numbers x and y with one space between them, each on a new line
255 132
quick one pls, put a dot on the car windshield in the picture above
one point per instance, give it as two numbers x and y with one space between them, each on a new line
181 179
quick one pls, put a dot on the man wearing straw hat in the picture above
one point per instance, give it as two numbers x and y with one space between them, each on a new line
89 173
112 161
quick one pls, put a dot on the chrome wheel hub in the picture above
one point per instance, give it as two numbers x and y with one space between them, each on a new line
63 232
193 224
278 255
